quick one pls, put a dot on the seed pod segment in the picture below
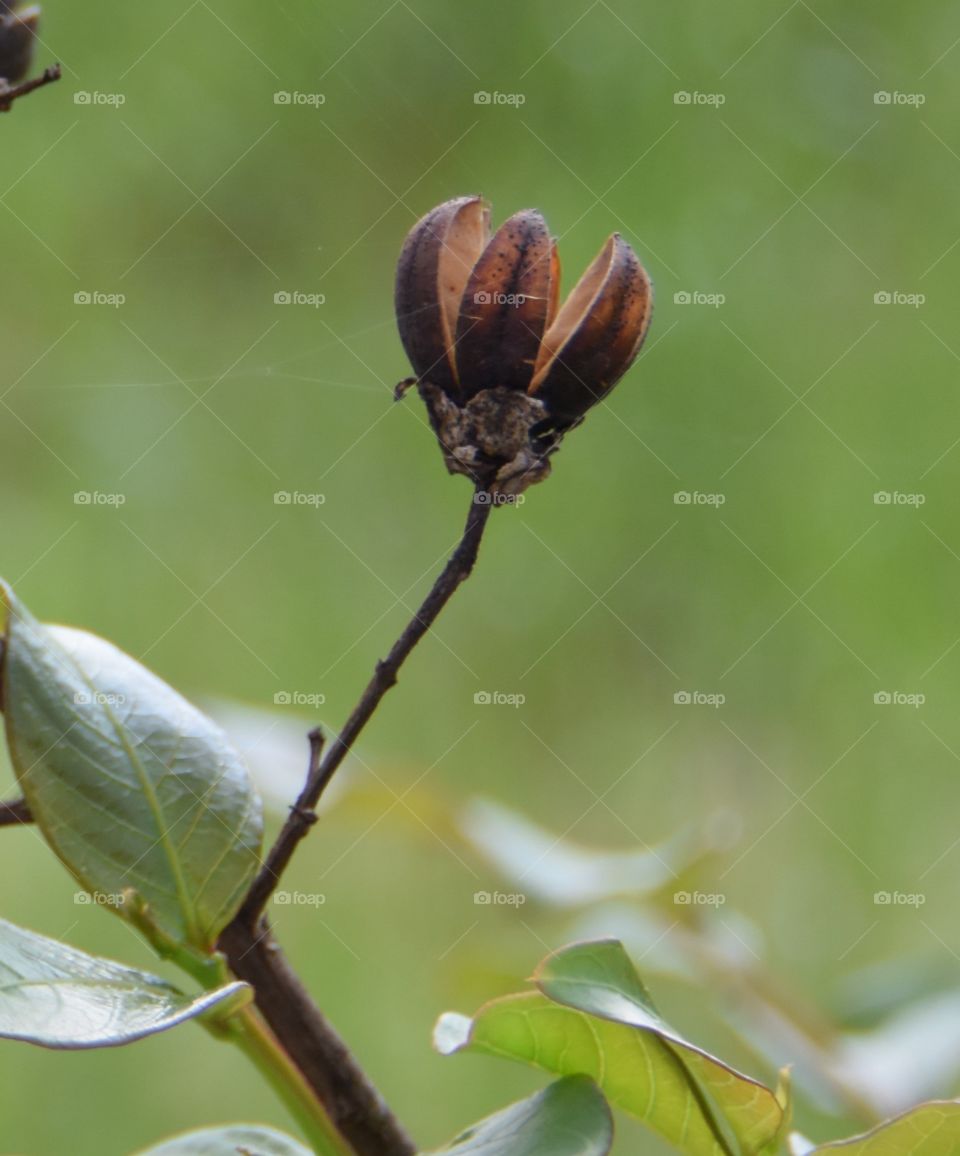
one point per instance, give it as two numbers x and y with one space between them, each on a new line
18 31
596 335
506 306
435 264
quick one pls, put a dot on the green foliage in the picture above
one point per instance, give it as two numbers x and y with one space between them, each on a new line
928 1130
139 794
599 980
592 1015
229 1141
59 997
568 1118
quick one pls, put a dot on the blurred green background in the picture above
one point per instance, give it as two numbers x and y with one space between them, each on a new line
797 398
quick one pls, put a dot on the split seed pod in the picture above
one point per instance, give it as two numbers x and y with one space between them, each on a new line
18 31
503 371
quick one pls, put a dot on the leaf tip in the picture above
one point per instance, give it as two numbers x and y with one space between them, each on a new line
451 1033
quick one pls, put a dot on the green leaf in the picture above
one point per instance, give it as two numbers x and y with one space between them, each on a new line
58 997
593 1016
931 1129
136 790
229 1141
570 1118
599 978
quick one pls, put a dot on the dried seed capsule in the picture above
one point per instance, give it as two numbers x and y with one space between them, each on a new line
504 373
596 335
18 30
506 306
435 264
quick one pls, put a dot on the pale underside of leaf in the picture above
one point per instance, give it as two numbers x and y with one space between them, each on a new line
229 1140
58 997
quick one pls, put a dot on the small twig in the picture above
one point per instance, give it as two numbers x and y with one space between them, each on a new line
352 1101
14 813
384 677
9 95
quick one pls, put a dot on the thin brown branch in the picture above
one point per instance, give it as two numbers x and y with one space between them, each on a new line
326 1063
322 770
14 813
353 1103
9 94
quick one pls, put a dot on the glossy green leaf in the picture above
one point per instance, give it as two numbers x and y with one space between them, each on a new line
58 997
931 1129
593 1016
570 1118
138 792
599 978
230 1140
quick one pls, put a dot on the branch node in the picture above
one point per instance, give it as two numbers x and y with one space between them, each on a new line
8 94
304 814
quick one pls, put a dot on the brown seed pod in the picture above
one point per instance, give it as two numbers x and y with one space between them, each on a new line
596 335
18 31
435 264
506 306
504 373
